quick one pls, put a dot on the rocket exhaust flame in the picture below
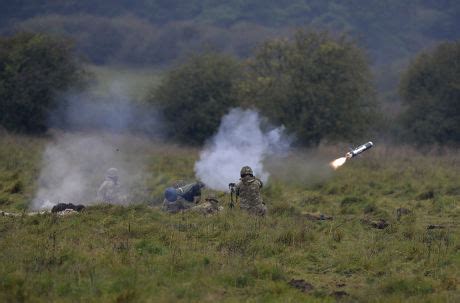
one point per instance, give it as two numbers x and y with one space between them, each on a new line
356 151
338 162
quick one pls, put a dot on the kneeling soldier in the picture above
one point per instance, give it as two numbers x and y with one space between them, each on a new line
248 191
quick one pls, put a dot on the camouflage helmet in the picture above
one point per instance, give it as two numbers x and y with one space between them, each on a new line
246 170
112 172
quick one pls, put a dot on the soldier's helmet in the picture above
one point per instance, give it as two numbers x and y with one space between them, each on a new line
112 173
171 194
246 170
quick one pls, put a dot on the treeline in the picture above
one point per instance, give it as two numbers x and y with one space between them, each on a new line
390 29
317 84
129 40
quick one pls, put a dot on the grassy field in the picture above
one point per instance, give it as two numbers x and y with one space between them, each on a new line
139 254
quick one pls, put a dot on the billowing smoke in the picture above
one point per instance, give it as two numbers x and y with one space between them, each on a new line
95 133
243 139
74 166
113 111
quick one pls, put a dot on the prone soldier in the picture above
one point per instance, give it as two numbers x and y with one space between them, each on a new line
182 198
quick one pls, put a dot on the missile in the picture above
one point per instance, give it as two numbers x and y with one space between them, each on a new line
359 149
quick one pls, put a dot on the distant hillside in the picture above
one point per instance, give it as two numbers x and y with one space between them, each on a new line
383 24
158 32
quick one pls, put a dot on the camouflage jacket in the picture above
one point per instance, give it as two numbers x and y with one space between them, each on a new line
177 206
248 190
190 192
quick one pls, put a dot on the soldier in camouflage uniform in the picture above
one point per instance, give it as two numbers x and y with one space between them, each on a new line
248 191
109 191
209 207
182 198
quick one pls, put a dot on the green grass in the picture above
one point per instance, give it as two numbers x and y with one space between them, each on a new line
19 168
139 254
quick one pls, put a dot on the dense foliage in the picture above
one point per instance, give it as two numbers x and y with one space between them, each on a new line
194 96
136 41
158 32
317 86
34 69
431 90
390 28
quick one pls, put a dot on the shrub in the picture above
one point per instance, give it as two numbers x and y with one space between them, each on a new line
430 91
34 69
315 85
194 96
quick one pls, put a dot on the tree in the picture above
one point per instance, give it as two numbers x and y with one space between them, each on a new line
317 86
194 96
34 69
431 92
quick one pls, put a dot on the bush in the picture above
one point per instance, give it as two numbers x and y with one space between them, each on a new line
316 85
34 69
194 96
431 92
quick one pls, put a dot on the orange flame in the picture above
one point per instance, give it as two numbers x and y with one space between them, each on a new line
338 162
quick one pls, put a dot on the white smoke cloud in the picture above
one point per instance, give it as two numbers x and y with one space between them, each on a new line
97 132
74 166
239 141
67 169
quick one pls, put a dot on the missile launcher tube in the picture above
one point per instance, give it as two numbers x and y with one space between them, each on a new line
360 149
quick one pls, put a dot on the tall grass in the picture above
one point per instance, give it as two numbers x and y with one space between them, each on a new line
139 254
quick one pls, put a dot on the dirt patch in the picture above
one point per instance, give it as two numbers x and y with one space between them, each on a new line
302 285
379 224
435 226
317 217
339 294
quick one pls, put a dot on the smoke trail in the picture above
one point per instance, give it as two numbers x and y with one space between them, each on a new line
239 141
97 135
302 167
